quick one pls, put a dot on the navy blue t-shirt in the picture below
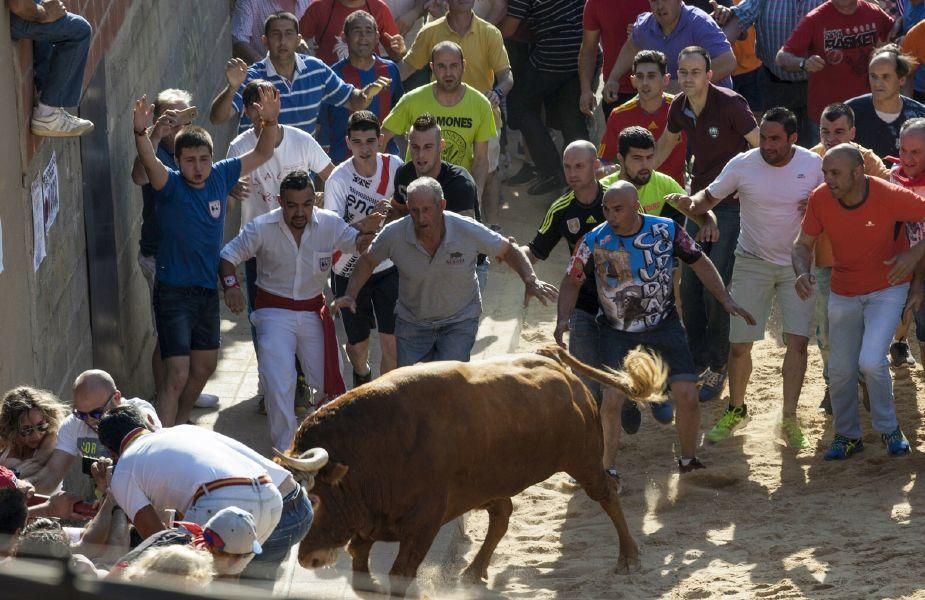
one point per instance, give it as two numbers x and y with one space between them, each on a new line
876 134
192 224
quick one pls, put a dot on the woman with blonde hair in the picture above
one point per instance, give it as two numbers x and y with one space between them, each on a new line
29 422
179 565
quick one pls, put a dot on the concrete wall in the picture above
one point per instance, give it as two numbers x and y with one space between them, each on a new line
45 323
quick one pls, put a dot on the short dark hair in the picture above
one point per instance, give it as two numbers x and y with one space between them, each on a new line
834 112
282 14
296 180
43 538
191 136
118 423
426 122
356 16
651 57
363 120
782 115
635 137
695 50
904 63
13 511
251 93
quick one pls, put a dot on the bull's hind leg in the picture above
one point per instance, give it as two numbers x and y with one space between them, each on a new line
604 490
499 515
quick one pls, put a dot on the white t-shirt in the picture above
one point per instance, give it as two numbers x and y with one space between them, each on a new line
77 439
353 197
769 199
166 468
297 151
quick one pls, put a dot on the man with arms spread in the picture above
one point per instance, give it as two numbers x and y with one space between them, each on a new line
322 26
295 247
354 191
772 182
631 259
437 315
191 208
719 125
304 82
870 285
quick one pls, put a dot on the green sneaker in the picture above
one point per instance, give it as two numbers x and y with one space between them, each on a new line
792 433
731 420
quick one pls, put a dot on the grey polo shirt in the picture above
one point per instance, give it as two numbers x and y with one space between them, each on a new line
442 288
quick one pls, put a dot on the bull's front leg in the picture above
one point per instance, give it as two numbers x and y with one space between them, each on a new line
412 548
359 549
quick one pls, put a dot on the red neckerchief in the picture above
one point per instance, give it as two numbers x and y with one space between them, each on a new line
131 437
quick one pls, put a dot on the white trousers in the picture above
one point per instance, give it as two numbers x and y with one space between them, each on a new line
281 335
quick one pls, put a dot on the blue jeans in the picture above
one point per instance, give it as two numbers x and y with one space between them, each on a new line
427 343
583 343
860 331
706 321
294 524
59 56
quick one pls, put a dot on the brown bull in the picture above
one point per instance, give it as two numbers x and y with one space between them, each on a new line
422 445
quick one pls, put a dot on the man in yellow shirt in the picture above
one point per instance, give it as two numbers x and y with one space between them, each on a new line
487 69
464 114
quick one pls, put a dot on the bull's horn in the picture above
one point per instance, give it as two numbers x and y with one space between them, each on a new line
310 461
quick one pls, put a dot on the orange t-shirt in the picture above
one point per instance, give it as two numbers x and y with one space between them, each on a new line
863 236
746 58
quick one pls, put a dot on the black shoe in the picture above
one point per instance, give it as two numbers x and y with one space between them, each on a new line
526 174
900 356
630 417
550 183
359 380
691 466
826 404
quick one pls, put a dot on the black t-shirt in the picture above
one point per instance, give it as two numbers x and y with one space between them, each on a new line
876 134
459 187
570 219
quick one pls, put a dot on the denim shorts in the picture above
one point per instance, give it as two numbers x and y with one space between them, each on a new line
187 319
667 339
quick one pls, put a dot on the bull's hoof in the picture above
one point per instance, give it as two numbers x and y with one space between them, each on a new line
628 564
474 575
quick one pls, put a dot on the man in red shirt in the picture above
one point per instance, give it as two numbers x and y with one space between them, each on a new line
870 285
606 23
322 26
649 109
832 43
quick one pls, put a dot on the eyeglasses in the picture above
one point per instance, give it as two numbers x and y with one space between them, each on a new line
41 428
96 414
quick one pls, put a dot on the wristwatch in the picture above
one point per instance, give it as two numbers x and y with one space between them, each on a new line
803 64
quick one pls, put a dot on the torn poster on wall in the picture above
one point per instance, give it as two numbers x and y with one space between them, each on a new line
50 190
38 223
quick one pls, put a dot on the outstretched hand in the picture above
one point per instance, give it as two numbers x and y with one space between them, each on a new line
561 328
733 308
141 113
268 107
544 292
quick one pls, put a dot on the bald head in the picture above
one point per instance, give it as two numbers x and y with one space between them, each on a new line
580 146
446 46
843 170
93 389
621 190
621 207
847 152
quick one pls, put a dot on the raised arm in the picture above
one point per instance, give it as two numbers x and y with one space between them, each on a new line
268 110
154 168
222 108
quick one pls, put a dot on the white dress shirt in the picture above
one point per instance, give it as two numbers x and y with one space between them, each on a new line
287 269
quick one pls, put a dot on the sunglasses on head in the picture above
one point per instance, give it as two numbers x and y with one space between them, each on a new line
41 428
95 414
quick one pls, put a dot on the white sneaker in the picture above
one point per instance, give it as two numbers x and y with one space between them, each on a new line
206 401
60 123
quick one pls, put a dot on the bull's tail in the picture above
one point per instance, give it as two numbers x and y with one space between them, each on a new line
642 376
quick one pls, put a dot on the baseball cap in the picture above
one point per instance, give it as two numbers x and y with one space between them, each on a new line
8 478
232 530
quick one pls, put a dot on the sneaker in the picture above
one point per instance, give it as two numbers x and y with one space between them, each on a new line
630 417
732 419
663 412
896 443
713 383
359 380
826 405
60 123
550 183
792 433
206 401
611 471
900 356
843 447
526 174
865 396
692 465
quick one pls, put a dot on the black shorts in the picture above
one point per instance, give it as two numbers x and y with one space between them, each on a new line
187 319
375 305
668 339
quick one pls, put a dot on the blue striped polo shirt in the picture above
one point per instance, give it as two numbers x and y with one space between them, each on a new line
314 83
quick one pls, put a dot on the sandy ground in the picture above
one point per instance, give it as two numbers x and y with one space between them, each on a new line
760 522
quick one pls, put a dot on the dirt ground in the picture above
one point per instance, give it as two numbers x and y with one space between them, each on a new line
760 522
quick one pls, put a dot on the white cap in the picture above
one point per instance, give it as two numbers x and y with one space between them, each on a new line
235 531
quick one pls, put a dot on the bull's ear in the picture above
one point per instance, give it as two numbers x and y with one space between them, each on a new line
333 473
